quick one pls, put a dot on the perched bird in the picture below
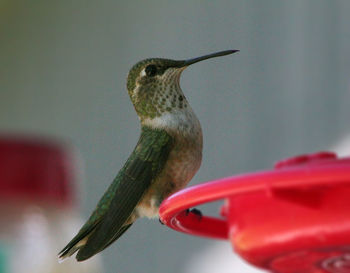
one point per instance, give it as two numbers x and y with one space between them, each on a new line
166 157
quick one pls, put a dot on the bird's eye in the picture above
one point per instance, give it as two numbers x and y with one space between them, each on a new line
151 70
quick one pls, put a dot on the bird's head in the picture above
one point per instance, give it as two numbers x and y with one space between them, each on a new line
153 84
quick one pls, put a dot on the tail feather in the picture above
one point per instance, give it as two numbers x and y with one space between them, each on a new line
70 249
80 240
86 253
76 243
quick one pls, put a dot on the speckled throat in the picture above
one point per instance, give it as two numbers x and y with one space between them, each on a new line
156 96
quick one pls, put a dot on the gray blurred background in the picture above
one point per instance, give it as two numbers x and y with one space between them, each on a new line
63 67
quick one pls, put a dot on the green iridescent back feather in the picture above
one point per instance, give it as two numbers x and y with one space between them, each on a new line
148 149
144 164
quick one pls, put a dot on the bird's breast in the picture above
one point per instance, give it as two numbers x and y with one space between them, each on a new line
186 156
182 164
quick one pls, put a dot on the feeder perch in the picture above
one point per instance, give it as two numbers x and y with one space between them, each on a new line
292 219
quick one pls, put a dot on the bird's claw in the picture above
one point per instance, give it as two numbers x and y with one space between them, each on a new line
196 212
160 221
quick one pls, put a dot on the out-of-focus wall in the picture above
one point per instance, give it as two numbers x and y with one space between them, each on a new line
63 66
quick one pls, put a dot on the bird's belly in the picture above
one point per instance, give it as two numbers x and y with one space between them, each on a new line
181 166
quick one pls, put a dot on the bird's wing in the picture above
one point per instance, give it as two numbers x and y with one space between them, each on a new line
117 204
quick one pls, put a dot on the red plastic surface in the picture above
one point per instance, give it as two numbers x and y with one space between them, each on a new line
36 170
295 218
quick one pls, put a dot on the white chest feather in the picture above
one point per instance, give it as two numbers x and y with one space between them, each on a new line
182 121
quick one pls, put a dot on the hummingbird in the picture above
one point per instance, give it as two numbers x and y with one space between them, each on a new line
166 157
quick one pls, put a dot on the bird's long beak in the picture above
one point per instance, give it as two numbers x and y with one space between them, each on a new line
205 57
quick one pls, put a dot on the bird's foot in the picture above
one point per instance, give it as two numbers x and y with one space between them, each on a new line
160 221
196 212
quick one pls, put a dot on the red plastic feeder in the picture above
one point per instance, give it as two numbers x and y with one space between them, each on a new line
36 170
293 219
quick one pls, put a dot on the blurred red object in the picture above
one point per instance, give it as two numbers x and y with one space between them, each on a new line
36 170
293 219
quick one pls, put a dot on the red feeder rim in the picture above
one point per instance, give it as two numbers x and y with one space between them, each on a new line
259 207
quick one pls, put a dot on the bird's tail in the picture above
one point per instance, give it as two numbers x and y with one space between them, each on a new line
80 240
70 249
